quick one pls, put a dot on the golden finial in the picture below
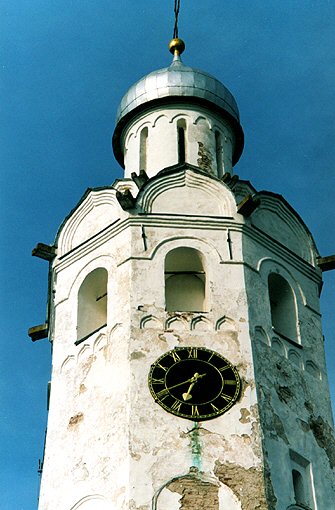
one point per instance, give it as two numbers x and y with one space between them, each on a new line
176 46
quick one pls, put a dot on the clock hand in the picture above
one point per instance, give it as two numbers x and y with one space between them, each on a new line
187 395
192 379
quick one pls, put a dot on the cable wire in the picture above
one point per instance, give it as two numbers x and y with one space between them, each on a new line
176 13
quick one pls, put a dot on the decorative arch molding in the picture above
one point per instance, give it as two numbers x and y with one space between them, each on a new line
278 346
212 196
170 243
139 128
98 209
223 129
312 369
84 352
93 502
285 225
179 116
225 324
100 342
262 336
177 322
128 139
150 322
101 261
201 323
205 120
68 363
295 358
268 265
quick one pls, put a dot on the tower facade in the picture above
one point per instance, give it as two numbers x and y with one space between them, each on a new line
188 366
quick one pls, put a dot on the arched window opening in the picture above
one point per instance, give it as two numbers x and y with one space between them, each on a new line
283 307
181 129
92 303
143 148
185 281
218 153
298 487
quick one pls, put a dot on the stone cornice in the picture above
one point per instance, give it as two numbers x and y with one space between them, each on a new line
189 222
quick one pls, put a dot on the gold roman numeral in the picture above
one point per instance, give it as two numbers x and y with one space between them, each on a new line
163 393
175 356
157 381
214 408
192 352
195 411
211 356
161 366
230 382
176 406
226 397
224 368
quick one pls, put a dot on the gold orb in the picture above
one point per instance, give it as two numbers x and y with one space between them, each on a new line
176 46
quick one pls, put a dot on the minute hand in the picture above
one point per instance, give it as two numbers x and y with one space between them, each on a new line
191 380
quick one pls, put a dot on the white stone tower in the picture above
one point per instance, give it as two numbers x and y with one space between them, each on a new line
165 286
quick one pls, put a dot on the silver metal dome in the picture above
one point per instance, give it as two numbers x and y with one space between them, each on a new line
178 80
173 85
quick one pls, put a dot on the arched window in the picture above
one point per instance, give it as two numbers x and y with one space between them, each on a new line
92 303
185 281
218 153
181 129
143 148
283 307
298 487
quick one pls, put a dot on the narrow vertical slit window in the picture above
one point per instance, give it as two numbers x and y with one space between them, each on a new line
218 153
303 492
298 487
181 129
92 303
143 148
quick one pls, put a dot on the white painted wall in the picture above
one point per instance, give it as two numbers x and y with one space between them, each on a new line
162 148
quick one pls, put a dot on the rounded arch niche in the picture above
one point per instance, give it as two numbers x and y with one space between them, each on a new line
185 280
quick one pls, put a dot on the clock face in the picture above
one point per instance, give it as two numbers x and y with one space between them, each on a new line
194 383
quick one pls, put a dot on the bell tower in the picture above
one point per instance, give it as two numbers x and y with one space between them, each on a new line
188 364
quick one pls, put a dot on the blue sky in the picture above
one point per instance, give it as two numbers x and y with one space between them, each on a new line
64 67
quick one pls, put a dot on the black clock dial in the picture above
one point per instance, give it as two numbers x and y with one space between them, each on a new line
194 383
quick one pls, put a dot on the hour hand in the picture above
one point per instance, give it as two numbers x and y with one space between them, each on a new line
187 395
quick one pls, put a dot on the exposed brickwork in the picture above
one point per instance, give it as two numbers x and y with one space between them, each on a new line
205 158
195 493
247 484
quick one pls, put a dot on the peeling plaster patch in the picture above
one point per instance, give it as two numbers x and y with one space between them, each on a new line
278 428
82 388
309 407
133 506
80 471
245 416
205 158
172 339
137 355
284 393
323 434
304 425
247 485
87 365
74 420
